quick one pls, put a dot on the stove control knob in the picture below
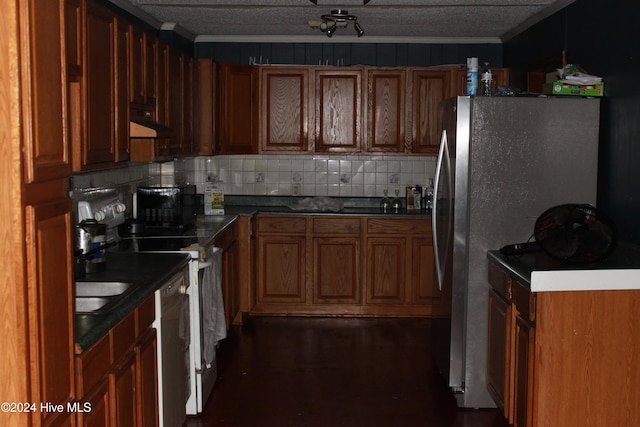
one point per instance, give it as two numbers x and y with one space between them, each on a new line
99 215
120 207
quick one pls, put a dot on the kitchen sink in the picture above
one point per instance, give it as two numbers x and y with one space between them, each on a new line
98 297
101 289
93 305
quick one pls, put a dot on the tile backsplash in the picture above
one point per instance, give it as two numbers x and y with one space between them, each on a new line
306 175
263 175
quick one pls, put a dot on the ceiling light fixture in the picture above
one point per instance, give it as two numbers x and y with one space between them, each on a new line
337 18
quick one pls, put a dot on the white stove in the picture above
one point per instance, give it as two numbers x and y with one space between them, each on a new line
207 325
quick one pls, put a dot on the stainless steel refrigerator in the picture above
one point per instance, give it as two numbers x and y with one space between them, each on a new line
503 161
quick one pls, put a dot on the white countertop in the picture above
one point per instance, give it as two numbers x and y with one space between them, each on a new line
585 280
543 273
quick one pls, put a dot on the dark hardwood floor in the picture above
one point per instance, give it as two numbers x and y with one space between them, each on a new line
326 372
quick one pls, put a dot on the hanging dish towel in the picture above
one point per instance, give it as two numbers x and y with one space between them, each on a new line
214 323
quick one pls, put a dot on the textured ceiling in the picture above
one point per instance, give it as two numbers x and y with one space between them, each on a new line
409 20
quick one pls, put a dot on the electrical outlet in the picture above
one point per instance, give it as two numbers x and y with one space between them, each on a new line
295 189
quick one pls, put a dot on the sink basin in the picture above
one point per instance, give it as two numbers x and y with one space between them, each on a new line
92 304
101 289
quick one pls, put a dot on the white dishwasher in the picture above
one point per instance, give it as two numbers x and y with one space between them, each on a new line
172 326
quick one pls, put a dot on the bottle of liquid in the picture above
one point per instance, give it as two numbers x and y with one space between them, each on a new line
396 203
472 76
486 81
410 198
428 197
385 203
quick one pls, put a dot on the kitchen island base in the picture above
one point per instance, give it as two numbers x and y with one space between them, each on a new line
563 358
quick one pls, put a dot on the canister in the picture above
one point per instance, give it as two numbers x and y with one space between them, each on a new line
97 261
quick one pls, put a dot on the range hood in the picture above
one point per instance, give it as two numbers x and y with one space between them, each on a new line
148 129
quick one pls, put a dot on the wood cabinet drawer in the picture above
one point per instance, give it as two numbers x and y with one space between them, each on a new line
413 226
122 337
92 365
336 226
282 224
227 238
524 300
145 315
498 280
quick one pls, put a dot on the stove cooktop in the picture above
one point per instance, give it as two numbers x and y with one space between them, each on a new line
155 243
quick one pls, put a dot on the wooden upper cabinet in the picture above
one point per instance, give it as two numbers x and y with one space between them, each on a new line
150 59
122 46
144 52
338 115
206 99
73 37
238 109
175 92
99 86
284 109
161 85
45 146
137 71
428 88
190 115
386 106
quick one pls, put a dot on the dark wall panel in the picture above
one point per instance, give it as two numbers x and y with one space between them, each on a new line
381 54
603 39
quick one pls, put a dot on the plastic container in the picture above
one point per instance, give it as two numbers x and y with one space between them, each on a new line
213 200
472 76
414 198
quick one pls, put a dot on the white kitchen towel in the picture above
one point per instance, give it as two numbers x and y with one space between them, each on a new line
214 323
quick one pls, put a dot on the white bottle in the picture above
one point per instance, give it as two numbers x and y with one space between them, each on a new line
487 81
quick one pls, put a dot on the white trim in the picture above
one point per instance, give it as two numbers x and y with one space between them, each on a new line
321 38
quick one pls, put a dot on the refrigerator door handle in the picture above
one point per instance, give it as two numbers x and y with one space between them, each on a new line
443 155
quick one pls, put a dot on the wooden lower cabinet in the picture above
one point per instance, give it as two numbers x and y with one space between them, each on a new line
122 386
563 358
281 269
386 277
98 400
336 270
499 336
228 241
510 369
344 265
117 376
522 373
147 379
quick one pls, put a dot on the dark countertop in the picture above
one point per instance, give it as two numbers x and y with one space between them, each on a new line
626 258
148 271
151 270
347 211
352 206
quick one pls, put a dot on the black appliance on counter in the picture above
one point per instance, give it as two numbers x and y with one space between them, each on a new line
167 207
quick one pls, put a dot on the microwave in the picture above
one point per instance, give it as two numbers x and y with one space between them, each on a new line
167 207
